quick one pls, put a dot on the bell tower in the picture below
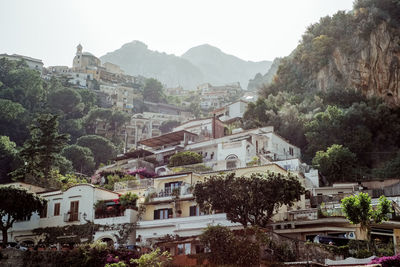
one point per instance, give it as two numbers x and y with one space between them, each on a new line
79 49
77 62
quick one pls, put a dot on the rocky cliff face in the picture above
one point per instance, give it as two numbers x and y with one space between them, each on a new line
259 80
374 68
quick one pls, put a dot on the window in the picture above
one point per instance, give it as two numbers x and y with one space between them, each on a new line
291 152
195 211
162 214
43 213
56 209
169 187
184 249
74 211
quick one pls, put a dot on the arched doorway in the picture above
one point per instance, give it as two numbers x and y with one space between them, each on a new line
108 240
231 161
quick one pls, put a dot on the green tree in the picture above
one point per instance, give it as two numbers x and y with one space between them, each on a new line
65 182
156 258
184 158
336 163
391 168
248 200
89 99
66 100
103 150
17 204
152 91
8 158
117 121
325 129
358 210
81 157
21 84
228 249
13 121
95 116
41 153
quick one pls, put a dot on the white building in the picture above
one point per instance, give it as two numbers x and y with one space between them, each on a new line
33 63
205 128
231 111
75 206
239 149
79 79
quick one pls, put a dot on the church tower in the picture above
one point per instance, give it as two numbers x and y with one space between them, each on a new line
77 62
79 49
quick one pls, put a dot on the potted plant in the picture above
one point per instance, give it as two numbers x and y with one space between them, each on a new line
128 200
99 207
176 192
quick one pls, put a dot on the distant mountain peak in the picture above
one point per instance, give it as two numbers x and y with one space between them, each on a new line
135 44
206 47
203 63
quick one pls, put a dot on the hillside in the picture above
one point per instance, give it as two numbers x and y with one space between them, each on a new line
198 65
259 80
358 50
220 68
336 96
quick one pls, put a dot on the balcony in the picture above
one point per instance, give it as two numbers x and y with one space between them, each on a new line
118 217
109 212
167 194
72 217
336 198
133 185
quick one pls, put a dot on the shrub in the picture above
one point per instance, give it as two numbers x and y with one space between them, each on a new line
184 158
142 172
387 261
226 248
128 200
154 259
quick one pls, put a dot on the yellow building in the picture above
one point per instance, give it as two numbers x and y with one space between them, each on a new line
170 207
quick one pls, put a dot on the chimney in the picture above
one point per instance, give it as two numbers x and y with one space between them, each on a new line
213 127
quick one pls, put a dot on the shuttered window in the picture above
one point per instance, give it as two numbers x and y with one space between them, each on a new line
56 209
162 214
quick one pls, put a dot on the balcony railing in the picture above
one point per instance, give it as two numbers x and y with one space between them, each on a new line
72 217
115 212
135 184
317 200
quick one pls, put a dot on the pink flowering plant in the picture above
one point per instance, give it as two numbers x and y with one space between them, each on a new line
388 261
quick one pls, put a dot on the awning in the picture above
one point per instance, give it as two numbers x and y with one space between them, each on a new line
165 139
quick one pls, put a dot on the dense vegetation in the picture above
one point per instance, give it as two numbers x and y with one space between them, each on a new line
314 120
47 128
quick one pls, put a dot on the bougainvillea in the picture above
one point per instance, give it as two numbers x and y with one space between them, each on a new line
142 172
387 261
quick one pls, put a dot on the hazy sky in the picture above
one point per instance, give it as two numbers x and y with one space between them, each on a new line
250 29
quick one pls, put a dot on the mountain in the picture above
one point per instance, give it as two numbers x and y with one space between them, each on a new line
198 65
351 50
136 59
259 80
220 68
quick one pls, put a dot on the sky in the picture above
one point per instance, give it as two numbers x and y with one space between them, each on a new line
249 29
